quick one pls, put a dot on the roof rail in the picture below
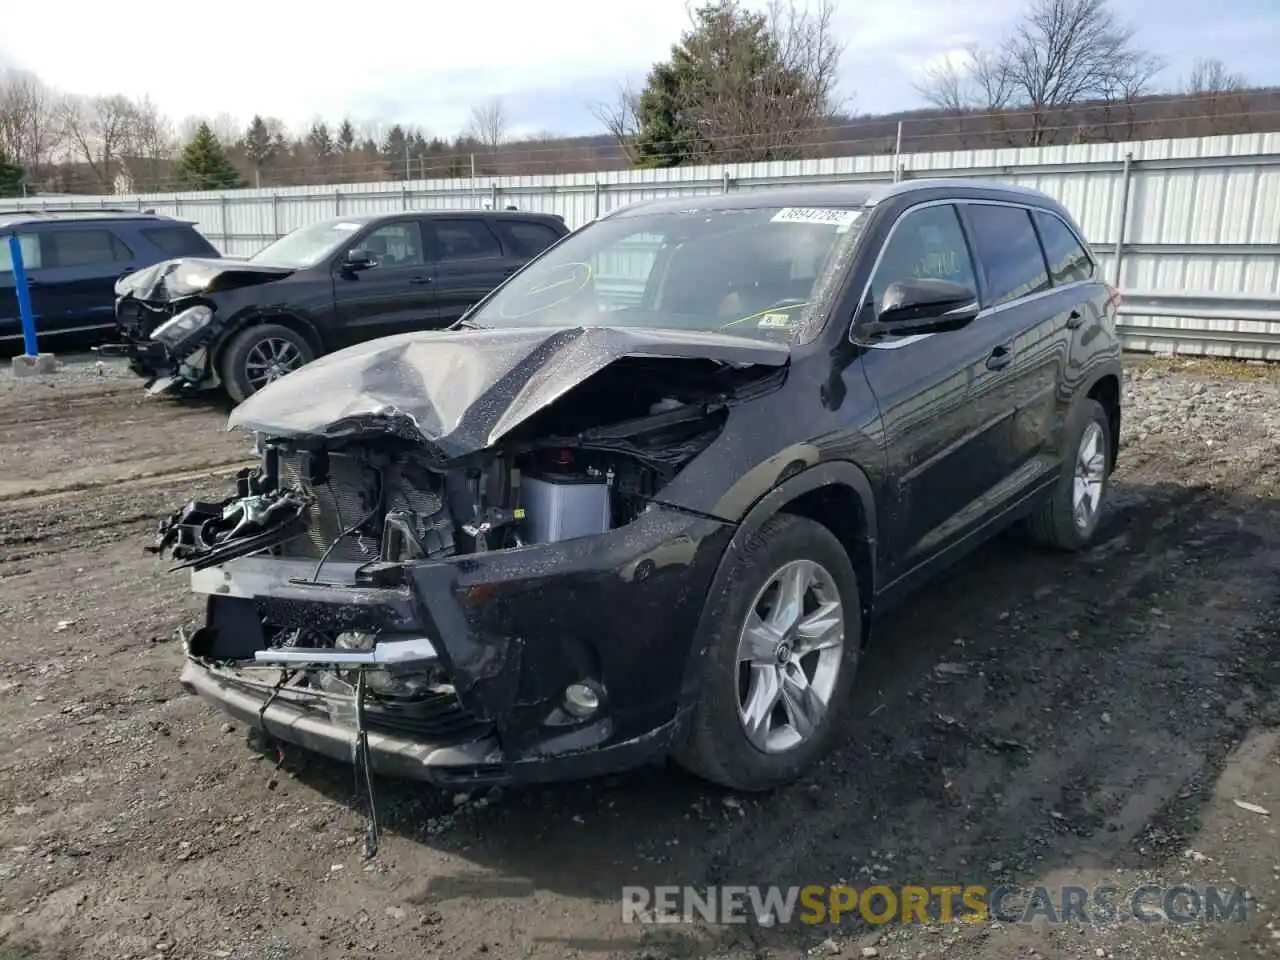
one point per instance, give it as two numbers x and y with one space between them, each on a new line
73 209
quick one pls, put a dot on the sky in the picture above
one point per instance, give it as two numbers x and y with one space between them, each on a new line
552 62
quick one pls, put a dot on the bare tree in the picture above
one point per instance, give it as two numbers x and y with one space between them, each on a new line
489 123
97 131
1210 75
28 125
971 90
1065 52
1215 94
1060 54
620 119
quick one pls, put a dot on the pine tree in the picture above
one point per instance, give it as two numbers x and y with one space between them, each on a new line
204 164
257 142
346 137
11 176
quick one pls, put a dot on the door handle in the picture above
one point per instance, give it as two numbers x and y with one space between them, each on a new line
1000 357
419 279
1074 319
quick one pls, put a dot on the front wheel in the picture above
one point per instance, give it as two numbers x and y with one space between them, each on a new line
262 354
778 667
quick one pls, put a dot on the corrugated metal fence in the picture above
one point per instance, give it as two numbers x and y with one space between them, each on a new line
1188 229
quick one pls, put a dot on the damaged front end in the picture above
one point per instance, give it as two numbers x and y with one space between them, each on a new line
169 315
465 562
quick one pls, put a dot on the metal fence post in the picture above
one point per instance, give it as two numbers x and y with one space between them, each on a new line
493 196
275 215
897 155
23 289
596 214
337 203
1122 218
222 206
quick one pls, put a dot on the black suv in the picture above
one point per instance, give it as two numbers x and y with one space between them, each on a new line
73 259
648 497
189 324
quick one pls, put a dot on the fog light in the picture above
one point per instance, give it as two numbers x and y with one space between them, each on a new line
580 700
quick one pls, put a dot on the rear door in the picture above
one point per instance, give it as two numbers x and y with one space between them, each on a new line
1022 321
469 262
396 296
73 288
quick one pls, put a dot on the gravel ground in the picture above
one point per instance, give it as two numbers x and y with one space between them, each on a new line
1031 719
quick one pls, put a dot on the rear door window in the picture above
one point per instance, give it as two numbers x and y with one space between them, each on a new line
1068 262
526 238
1008 251
462 240
82 248
179 242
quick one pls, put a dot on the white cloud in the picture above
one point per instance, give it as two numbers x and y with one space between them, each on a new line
435 60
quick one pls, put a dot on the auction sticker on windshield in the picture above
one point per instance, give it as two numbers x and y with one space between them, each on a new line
833 216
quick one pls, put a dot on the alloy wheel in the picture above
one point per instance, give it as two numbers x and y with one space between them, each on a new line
270 359
1090 472
789 656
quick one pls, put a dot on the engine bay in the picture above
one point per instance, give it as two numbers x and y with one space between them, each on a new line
588 463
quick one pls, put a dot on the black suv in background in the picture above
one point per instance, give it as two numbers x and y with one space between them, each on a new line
194 324
73 259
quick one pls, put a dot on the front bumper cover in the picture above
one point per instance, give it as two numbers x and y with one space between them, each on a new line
180 368
512 629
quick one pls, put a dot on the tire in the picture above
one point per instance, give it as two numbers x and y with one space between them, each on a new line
250 345
718 747
1056 525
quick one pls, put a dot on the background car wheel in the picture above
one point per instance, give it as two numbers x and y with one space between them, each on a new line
1069 519
785 636
261 354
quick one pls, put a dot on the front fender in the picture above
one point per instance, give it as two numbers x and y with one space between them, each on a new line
793 486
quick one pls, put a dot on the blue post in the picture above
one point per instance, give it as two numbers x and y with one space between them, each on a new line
23 291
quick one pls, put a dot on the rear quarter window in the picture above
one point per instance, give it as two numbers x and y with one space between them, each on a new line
1068 262
179 242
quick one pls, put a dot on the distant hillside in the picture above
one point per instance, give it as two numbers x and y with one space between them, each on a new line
923 131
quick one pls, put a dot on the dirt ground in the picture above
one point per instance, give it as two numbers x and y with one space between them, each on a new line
1030 719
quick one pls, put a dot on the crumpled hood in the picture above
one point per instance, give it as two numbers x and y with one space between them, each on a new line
462 390
188 276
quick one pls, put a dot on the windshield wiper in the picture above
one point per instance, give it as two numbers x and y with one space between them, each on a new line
470 325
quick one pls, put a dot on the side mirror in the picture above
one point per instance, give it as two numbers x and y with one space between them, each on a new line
912 307
359 260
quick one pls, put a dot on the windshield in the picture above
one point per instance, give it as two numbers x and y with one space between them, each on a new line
746 271
307 246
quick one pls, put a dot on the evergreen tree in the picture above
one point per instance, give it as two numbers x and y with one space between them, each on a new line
319 140
734 89
204 164
11 176
346 137
258 147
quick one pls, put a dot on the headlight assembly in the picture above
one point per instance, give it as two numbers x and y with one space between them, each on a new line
173 332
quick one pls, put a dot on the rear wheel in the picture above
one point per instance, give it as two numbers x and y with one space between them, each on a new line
775 680
262 354
1070 518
